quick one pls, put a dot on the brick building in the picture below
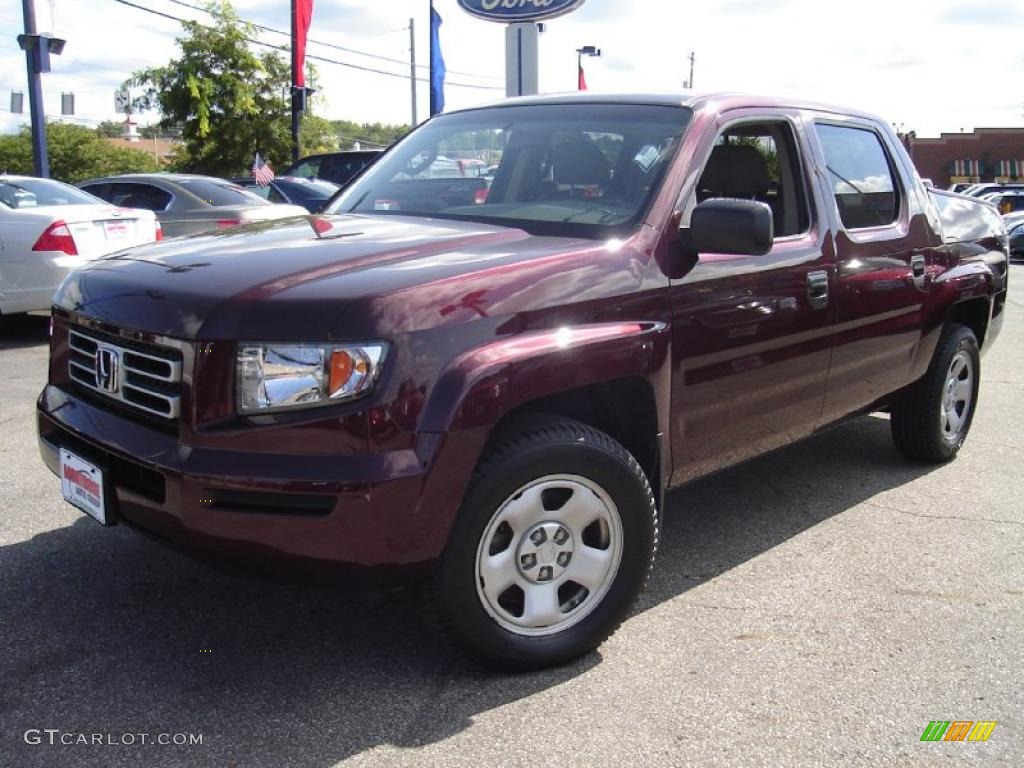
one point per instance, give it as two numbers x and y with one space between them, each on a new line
987 154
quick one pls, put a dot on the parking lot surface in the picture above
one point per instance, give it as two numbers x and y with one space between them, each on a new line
818 606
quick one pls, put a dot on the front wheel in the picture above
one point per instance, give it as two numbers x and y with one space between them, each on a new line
553 543
930 421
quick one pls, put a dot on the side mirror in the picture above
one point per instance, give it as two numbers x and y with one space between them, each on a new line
724 225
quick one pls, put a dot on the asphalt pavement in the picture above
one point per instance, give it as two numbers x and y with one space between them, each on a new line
815 607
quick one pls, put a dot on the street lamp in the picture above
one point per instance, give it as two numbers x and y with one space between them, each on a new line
586 50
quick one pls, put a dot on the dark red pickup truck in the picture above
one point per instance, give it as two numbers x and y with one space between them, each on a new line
492 384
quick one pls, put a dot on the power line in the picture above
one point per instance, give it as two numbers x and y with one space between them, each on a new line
310 56
334 45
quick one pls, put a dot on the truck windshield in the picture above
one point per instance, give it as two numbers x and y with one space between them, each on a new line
581 170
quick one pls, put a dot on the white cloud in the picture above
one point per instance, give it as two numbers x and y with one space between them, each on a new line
929 66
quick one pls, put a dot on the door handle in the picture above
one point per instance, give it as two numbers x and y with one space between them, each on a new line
817 289
917 264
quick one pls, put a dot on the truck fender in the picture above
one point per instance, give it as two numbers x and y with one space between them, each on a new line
482 385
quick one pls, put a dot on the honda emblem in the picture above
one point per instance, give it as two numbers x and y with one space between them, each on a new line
108 373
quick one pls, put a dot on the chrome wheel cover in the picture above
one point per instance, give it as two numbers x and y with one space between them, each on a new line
549 555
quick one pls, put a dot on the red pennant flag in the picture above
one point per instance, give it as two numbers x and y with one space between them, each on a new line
583 80
302 15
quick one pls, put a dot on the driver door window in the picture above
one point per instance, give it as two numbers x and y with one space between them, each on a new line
758 161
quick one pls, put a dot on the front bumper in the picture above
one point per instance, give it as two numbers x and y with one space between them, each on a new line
382 509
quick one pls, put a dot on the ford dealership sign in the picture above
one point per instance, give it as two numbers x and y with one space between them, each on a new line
512 11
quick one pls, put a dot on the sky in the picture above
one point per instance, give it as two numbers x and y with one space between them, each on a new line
923 65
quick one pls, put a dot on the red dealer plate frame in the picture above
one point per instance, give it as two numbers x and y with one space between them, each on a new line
82 483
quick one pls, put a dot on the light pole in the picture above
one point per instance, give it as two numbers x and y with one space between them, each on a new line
586 50
38 49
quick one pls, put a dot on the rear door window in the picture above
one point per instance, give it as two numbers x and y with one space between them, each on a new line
138 196
861 176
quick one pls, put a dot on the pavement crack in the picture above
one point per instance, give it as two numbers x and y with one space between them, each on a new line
944 517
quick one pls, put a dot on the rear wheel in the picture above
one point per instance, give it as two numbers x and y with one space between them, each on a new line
931 420
552 545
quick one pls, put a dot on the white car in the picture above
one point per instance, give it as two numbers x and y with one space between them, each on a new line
48 229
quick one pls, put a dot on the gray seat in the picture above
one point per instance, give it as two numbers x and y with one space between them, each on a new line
579 164
735 170
739 171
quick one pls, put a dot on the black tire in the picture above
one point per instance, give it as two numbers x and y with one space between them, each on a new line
917 426
540 450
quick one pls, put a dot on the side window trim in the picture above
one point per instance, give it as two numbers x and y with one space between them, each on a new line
903 207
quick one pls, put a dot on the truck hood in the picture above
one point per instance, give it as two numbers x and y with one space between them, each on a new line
290 279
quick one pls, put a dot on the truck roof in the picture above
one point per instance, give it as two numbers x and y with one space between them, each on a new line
722 100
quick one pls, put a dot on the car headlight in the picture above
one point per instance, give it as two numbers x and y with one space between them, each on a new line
284 376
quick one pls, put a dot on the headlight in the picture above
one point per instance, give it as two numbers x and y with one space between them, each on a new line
285 376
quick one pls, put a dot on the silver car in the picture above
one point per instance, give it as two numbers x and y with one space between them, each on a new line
188 204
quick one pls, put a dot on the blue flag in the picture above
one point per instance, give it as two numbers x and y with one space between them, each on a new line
437 68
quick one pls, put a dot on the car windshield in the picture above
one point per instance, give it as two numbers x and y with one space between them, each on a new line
221 193
582 170
31 193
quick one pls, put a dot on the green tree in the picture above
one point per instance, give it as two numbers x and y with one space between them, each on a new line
110 128
228 99
76 153
369 135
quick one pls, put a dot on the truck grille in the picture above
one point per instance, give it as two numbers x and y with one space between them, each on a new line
143 376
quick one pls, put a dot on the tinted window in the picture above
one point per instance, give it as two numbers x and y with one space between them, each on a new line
341 168
307 169
221 193
1009 203
862 179
30 193
138 196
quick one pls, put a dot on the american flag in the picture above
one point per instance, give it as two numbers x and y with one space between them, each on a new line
262 171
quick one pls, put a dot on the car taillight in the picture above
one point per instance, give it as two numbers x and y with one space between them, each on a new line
225 223
57 237
480 196
159 231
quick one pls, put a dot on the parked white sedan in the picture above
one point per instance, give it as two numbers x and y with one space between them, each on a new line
48 229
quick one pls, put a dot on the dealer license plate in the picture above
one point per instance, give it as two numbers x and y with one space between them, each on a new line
82 485
115 230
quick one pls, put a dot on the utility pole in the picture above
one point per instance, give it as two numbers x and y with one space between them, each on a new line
693 58
37 60
412 67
